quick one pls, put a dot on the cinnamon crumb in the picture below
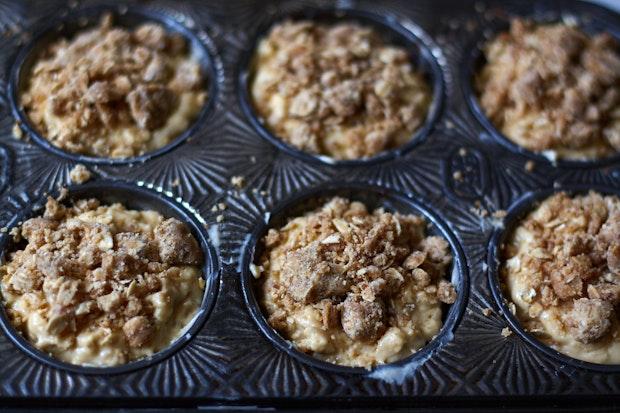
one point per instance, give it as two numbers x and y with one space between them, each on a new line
79 174
530 166
500 213
237 181
18 133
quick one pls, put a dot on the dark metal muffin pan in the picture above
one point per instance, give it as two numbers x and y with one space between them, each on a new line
232 357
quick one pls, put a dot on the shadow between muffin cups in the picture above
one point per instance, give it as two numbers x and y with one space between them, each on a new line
473 60
373 197
424 53
133 197
517 211
125 16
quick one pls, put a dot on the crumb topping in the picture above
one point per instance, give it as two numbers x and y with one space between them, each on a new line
552 87
337 90
79 174
354 287
562 269
114 92
102 285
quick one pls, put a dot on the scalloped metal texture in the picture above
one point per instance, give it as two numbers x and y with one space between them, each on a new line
459 171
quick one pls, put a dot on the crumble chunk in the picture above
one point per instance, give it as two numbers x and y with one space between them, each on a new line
79 174
337 90
114 92
554 89
560 271
102 285
354 287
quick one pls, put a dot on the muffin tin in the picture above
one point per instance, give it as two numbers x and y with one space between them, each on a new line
230 355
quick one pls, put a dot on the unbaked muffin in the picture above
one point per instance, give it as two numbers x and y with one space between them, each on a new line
553 89
561 269
354 287
114 92
337 90
102 285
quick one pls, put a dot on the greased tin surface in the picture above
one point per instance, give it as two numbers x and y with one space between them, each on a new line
230 355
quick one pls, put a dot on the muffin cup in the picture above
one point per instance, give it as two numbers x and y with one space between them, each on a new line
126 17
473 61
516 213
422 50
373 197
132 197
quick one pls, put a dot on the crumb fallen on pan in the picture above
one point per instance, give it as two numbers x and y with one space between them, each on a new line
237 181
79 174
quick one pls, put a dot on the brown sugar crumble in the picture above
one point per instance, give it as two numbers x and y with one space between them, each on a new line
79 174
337 90
17 131
354 287
102 285
554 89
113 92
561 268
237 181
530 166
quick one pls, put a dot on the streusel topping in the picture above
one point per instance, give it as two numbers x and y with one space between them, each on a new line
115 92
354 287
562 270
337 90
554 89
102 285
